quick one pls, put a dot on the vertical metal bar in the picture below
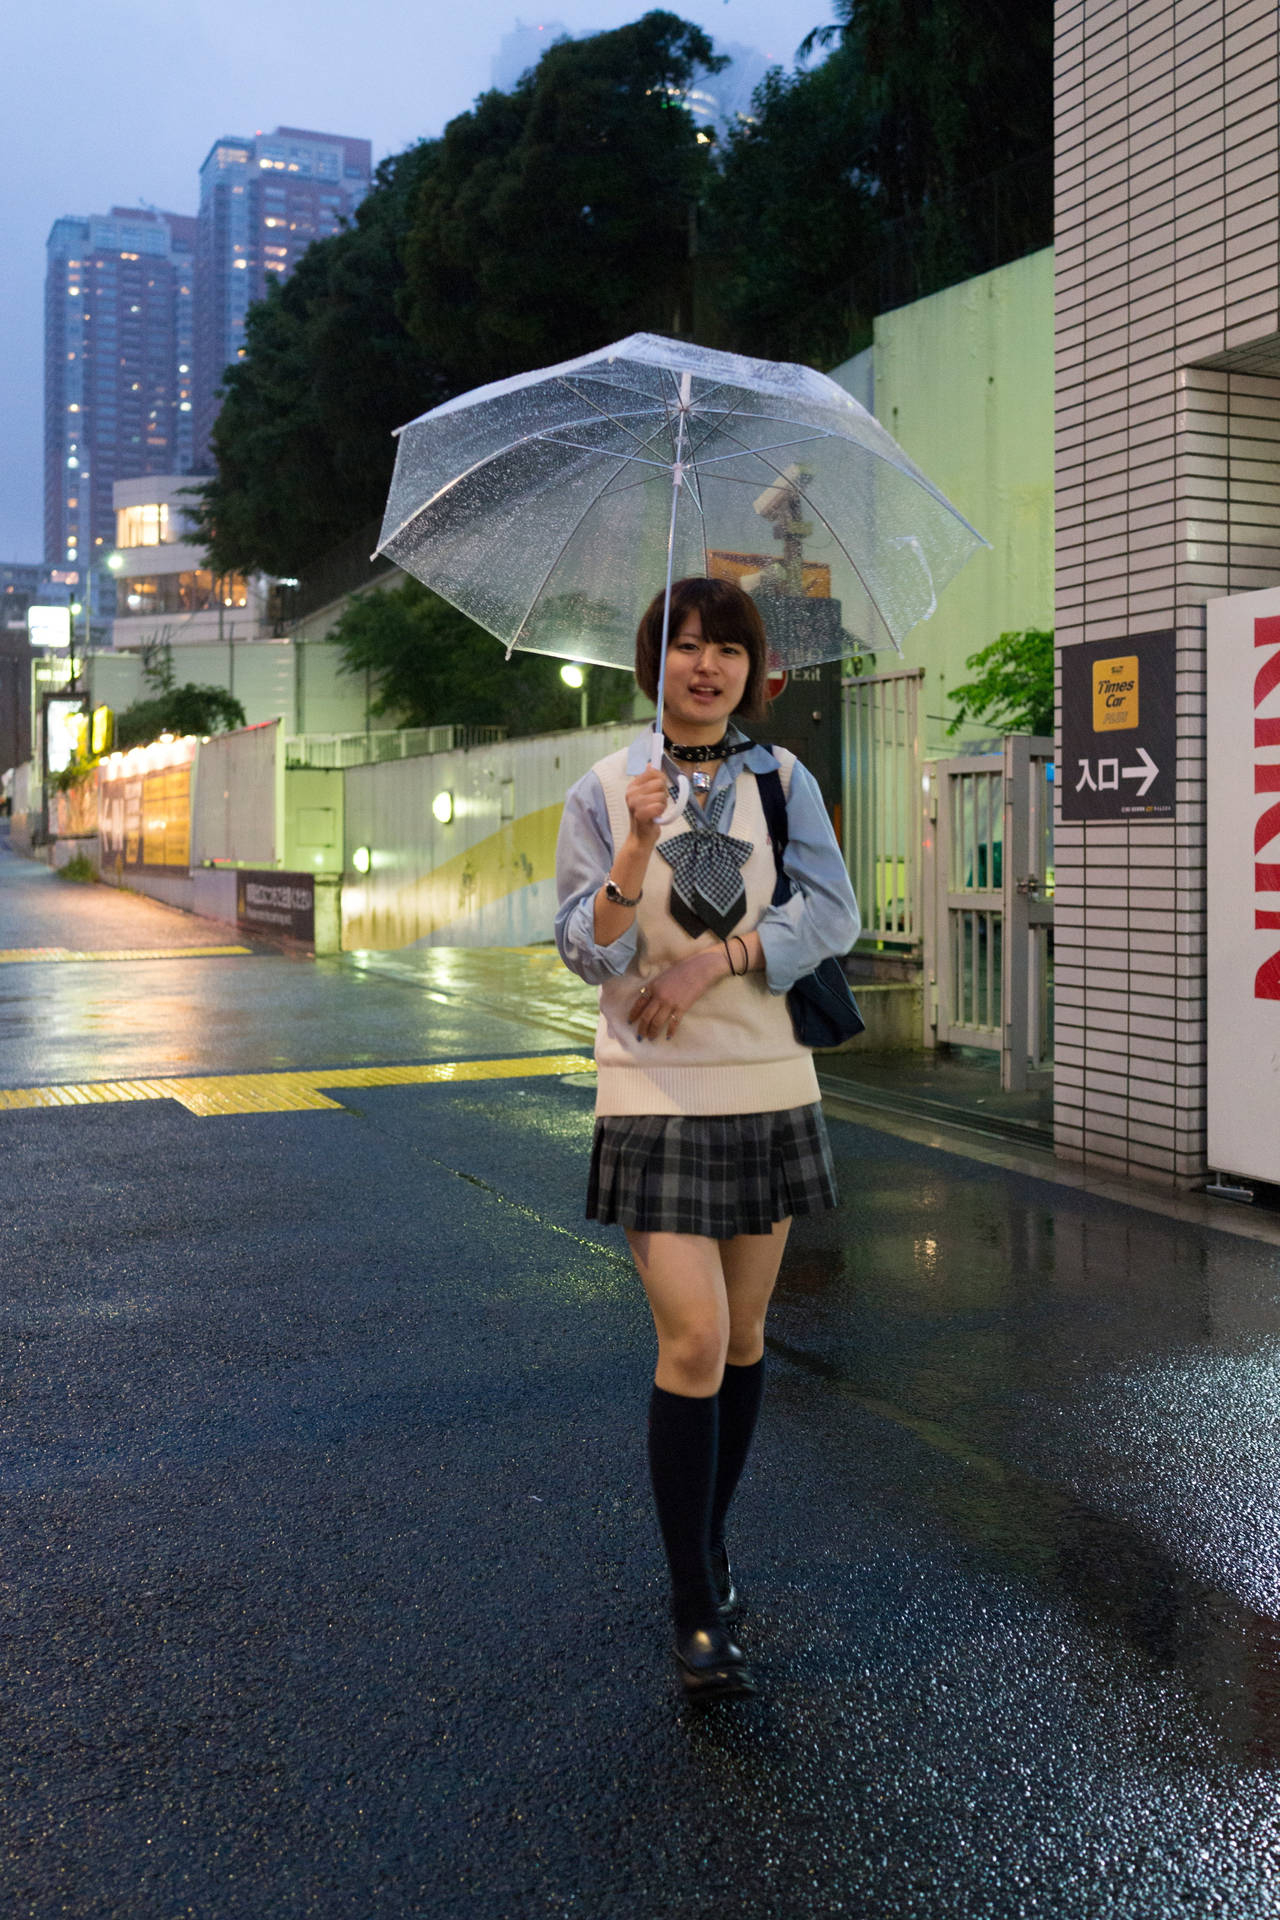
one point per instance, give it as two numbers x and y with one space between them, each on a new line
1016 910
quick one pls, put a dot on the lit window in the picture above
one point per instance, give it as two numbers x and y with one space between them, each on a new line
144 526
239 263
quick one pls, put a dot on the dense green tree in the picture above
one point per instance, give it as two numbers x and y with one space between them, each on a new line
303 440
787 241
558 215
432 666
954 104
1013 691
178 710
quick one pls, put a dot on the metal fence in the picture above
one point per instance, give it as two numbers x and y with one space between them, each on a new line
389 743
881 814
988 947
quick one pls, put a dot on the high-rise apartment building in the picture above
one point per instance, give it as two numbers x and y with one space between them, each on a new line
118 393
262 202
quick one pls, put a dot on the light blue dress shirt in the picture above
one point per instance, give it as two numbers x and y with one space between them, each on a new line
820 918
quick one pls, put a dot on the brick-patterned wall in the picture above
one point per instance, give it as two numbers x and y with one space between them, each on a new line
1168 494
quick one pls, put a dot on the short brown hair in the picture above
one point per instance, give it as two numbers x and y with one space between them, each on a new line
730 617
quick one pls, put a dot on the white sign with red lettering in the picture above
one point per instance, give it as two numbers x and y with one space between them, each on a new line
1242 756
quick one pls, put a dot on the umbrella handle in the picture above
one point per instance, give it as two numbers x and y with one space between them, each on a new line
678 805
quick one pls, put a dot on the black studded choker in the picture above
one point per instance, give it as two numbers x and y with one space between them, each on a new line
695 755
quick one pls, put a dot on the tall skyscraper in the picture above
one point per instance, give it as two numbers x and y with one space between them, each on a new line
262 202
118 396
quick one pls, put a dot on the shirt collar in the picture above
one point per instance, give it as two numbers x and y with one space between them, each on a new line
757 758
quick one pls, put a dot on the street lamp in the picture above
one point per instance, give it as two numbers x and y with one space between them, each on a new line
575 675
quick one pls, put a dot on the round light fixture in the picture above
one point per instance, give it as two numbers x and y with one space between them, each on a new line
362 860
442 807
571 673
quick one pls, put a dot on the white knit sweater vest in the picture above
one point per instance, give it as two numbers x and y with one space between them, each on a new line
734 1051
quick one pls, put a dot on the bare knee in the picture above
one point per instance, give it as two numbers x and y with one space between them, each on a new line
746 1342
691 1359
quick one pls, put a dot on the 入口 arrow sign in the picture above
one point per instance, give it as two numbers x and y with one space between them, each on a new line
1146 772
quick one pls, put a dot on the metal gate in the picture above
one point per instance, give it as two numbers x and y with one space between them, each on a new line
881 811
988 929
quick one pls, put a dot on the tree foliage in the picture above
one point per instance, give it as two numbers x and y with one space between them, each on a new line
556 217
947 91
788 233
432 666
916 155
1013 691
303 442
178 710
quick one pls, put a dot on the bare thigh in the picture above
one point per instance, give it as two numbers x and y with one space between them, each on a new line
684 1281
749 1263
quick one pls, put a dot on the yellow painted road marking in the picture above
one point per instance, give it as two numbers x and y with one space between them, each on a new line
11 955
287 1092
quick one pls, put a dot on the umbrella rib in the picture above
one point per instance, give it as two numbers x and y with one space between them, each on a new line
623 460
728 415
779 446
614 419
783 475
553 439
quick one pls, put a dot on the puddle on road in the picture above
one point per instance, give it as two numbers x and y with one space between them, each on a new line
1094 1392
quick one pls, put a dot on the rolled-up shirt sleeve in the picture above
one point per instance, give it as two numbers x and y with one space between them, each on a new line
821 917
584 855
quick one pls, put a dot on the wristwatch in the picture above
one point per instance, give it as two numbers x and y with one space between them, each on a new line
612 891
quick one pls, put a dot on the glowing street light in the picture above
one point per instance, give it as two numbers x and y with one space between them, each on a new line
574 674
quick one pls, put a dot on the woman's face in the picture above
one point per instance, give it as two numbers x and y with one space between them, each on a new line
705 681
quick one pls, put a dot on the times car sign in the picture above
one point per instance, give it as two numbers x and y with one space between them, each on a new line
1242 756
1119 730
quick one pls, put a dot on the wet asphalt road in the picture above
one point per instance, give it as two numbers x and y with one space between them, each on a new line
329 1585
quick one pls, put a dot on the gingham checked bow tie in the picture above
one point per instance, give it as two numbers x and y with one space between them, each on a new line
706 871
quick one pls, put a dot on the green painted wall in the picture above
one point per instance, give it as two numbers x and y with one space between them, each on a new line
964 382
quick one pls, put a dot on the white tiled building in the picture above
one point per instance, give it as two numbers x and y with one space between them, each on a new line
1168 495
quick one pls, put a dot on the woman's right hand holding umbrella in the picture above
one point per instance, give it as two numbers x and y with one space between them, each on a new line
647 798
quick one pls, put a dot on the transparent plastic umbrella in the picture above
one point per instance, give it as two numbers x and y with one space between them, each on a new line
551 507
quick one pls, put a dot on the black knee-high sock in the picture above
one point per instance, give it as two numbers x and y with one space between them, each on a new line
682 1463
739 1398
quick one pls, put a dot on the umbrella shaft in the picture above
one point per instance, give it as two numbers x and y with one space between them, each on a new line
677 481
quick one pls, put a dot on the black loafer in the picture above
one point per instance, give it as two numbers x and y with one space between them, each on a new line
722 1583
711 1666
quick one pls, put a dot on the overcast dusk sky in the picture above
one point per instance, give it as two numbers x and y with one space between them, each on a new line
113 102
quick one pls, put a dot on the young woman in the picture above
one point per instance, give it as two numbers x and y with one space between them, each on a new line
709 1134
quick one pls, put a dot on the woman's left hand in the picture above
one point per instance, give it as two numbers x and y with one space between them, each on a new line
659 1007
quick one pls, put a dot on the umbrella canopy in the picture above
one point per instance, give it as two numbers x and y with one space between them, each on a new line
550 507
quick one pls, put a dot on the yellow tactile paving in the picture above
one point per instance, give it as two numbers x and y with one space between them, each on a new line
11 955
208 1096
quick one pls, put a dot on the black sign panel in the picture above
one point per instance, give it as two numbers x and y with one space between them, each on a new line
1119 756
283 904
806 719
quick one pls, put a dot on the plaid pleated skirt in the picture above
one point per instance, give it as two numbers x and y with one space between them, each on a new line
718 1175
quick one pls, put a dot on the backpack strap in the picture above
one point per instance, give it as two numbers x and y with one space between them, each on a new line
773 802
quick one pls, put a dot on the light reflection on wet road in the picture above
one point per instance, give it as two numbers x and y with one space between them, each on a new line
330 1584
